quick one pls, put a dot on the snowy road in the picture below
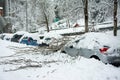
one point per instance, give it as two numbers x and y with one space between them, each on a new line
21 62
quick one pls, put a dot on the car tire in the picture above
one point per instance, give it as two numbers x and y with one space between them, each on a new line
95 57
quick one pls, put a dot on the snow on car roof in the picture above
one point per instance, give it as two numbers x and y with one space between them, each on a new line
9 35
21 32
35 36
91 39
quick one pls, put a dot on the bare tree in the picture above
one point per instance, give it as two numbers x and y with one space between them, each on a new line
46 20
115 18
46 12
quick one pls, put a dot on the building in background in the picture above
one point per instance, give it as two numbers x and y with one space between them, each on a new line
2 7
5 26
1 11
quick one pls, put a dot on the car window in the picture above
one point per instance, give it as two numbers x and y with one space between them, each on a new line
30 38
47 39
25 38
15 36
78 40
19 36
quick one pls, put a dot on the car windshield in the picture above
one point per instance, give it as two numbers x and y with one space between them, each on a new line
25 38
17 36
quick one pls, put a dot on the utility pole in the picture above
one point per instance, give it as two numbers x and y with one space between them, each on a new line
115 18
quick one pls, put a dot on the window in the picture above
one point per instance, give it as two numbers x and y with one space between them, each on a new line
77 41
25 38
47 39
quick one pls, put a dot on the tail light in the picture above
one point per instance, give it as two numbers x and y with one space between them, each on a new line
103 50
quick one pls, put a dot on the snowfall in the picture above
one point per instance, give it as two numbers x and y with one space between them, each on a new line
22 62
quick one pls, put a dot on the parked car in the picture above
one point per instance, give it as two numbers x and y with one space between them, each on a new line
32 39
6 36
95 45
2 36
16 36
50 38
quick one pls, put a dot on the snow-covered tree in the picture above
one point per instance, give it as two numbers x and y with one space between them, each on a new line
70 9
43 12
46 12
29 14
100 10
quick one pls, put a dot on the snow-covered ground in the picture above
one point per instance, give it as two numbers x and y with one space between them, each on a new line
21 62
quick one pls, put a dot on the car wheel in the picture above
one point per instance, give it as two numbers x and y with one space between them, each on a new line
95 57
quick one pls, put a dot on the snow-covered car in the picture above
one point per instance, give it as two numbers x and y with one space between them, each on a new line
101 46
31 39
2 36
6 36
49 38
16 36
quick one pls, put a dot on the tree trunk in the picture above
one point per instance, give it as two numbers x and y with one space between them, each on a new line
47 24
115 18
46 18
27 16
86 15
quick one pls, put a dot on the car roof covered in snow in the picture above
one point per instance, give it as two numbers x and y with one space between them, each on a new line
35 36
21 32
96 38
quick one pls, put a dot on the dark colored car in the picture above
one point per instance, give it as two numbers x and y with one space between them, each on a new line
32 39
16 37
29 41
6 36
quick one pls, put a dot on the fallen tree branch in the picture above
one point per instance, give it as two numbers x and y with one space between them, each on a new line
23 67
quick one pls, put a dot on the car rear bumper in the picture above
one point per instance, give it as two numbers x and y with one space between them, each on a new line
113 59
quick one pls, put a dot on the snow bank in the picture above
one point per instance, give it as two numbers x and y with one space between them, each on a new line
65 67
4 51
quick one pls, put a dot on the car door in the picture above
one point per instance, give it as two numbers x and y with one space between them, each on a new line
71 50
85 52
81 50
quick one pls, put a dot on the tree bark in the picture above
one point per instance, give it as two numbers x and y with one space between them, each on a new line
46 20
86 15
115 18
46 17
